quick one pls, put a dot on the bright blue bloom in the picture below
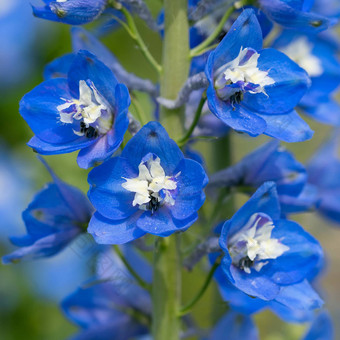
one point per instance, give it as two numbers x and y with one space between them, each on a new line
83 40
55 217
255 90
150 188
318 56
73 12
233 326
270 162
295 14
86 111
263 253
321 328
103 308
323 172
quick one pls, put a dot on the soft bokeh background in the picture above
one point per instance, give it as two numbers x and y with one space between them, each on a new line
30 292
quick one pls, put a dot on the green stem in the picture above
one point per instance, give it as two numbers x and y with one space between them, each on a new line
132 29
166 286
166 289
201 47
187 308
175 62
198 113
140 281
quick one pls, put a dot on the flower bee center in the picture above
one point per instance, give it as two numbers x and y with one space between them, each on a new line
91 109
152 187
241 75
253 244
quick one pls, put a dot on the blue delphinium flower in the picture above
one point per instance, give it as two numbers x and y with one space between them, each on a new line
317 55
55 217
234 326
270 162
114 307
295 15
255 90
321 328
86 111
329 8
150 188
323 172
263 253
73 12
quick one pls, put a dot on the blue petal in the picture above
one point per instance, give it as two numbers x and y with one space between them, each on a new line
291 83
106 231
298 263
190 183
59 67
296 303
245 32
76 12
153 138
106 192
161 222
238 118
86 66
289 127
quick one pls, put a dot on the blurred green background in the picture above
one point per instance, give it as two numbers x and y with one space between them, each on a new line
28 299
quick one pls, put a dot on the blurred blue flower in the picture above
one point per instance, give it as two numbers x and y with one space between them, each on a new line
270 162
329 8
234 326
150 188
55 217
295 15
321 328
86 111
324 173
17 31
317 55
73 12
114 307
263 253
255 90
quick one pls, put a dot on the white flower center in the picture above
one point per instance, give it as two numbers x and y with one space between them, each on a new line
152 186
91 109
244 70
300 51
252 245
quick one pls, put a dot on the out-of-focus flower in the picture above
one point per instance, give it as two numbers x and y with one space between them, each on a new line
318 56
114 307
255 90
17 31
86 111
295 15
324 173
270 162
55 217
150 188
